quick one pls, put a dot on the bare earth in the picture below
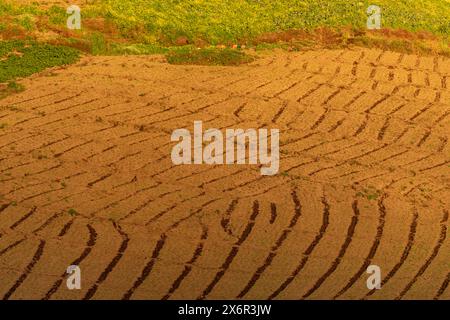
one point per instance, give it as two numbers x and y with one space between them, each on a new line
95 137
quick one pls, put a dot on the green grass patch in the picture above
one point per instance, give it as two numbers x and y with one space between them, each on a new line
369 193
98 43
72 212
15 87
11 88
22 58
57 15
209 57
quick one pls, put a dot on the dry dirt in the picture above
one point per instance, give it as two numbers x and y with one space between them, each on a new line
95 138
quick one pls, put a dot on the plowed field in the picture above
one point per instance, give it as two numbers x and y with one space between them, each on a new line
86 178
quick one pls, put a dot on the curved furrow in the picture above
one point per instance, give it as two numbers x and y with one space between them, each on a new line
58 101
373 249
157 250
352 121
167 210
34 232
87 250
273 213
233 252
362 126
348 239
145 204
307 252
66 228
47 222
343 162
205 183
128 196
125 239
443 287
147 269
225 221
277 245
4 207
37 255
188 266
39 97
405 254
25 217
280 112
435 166
437 247
11 246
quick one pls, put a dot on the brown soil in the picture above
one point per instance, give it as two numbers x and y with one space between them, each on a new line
364 179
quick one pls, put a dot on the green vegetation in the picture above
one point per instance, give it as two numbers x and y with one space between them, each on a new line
208 56
23 58
222 21
371 193
98 44
72 212
11 88
230 21
15 87
177 28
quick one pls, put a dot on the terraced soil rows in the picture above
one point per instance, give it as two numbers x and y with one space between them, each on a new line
87 179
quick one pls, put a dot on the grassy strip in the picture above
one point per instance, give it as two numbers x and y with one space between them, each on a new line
108 27
223 21
209 57
230 21
11 88
23 58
